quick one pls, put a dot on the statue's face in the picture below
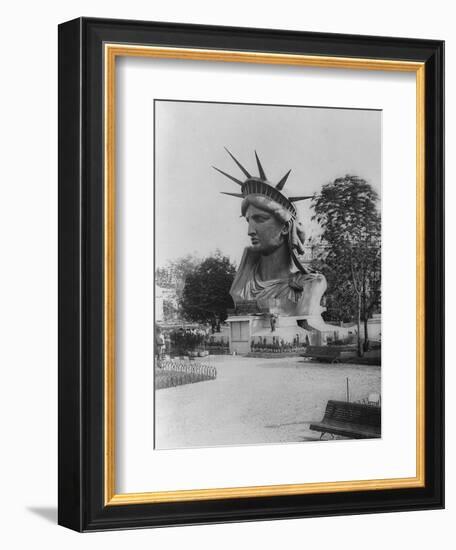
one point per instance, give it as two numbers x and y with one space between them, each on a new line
266 232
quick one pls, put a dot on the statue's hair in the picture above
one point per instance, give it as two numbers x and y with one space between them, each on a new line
268 205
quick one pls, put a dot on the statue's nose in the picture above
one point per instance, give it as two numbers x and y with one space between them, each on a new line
251 229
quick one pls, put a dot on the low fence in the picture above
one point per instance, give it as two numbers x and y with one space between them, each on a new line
172 373
284 350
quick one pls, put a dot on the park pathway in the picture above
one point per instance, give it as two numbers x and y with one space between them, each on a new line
256 401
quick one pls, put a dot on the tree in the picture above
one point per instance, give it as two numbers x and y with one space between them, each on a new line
172 278
351 240
173 274
205 297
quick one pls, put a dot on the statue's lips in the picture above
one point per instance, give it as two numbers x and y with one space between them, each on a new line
254 241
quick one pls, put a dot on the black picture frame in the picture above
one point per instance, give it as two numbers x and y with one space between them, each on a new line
81 473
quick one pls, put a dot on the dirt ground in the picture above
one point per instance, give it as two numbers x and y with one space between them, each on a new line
256 401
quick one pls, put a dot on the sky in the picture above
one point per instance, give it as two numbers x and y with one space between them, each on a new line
317 144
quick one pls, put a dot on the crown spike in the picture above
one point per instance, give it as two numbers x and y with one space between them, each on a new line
228 176
282 182
238 195
296 199
260 168
238 163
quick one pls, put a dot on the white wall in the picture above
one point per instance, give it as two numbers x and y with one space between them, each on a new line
28 289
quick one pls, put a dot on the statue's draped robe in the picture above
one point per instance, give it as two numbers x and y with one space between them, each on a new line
296 295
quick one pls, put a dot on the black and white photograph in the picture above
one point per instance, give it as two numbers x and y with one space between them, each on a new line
267 274
225 318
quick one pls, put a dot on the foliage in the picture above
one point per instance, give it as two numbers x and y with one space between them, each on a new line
205 297
183 340
174 273
172 277
170 311
350 255
278 345
169 374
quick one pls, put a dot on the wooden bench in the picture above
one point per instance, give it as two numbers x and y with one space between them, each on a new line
352 420
323 353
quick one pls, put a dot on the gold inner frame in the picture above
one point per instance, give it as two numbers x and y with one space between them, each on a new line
111 52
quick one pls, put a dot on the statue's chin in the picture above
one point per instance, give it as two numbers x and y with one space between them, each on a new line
256 248
259 249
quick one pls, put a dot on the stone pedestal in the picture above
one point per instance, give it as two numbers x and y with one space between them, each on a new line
304 329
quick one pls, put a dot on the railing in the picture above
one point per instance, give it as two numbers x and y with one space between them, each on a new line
172 373
272 348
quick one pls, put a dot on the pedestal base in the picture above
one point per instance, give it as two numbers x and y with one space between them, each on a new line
288 331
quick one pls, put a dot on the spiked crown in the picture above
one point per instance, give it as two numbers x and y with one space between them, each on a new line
261 186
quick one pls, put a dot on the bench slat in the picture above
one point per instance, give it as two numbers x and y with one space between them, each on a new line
357 431
346 419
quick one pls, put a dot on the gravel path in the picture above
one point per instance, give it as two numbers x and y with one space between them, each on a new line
255 401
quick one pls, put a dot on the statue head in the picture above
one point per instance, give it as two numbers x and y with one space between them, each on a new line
271 215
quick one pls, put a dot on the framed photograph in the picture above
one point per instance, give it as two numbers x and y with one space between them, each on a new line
251 282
